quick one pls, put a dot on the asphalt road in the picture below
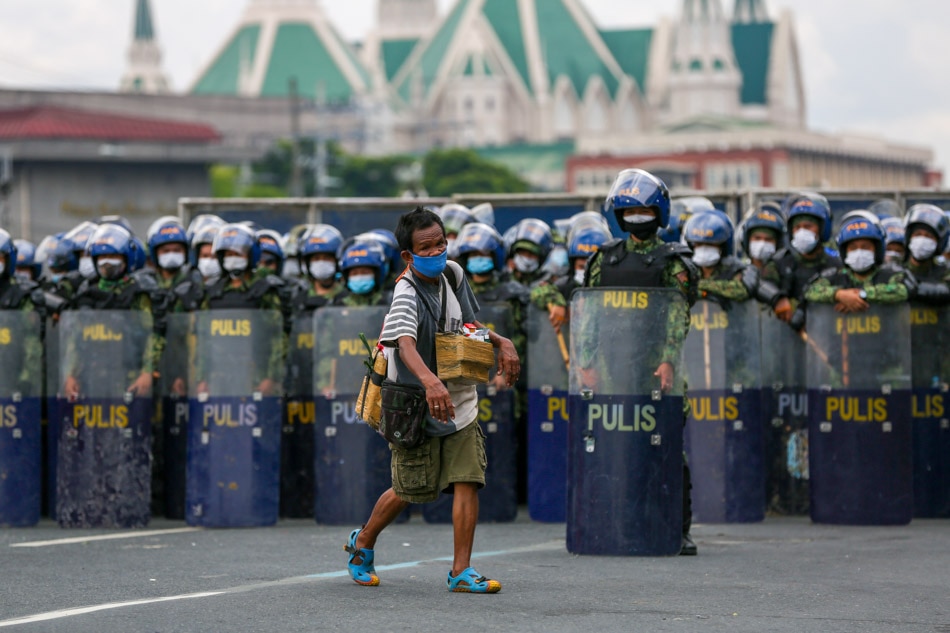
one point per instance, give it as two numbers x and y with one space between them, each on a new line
781 575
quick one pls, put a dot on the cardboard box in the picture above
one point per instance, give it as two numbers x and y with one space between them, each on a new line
463 360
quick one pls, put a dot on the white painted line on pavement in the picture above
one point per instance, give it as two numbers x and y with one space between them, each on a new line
104 537
66 613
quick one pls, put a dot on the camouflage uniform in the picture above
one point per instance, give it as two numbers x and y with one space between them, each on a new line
18 296
884 284
378 297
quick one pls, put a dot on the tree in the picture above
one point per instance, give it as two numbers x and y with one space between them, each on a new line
450 171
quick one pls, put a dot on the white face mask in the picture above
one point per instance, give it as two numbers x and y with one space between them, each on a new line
638 218
579 277
706 256
110 267
234 264
922 247
209 267
893 257
804 241
171 261
860 260
761 250
322 270
86 267
526 264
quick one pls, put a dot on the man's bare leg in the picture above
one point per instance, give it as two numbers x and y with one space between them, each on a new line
464 518
387 508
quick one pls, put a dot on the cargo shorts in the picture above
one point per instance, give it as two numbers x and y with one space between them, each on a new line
420 473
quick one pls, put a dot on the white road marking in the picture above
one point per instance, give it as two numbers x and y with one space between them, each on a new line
66 613
104 537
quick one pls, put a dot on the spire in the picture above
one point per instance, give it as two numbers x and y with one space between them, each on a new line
143 22
750 12
399 19
701 11
144 68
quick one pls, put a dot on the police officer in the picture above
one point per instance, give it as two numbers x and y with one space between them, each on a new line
77 238
895 243
640 202
363 266
202 253
176 281
272 254
681 210
238 253
17 294
27 268
808 222
761 235
111 250
865 277
317 252
709 234
531 242
926 232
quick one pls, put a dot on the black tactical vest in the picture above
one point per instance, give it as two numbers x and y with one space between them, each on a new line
840 279
12 295
91 297
251 299
621 268
794 275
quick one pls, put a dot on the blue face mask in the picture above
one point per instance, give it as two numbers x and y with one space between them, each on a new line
559 258
362 285
480 264
430 266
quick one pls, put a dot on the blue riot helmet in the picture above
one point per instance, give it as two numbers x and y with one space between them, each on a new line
633 190
239 239
858 225
454 217
809 204
79 237
930 217
533 235
710 227
370 238
117 220
139 254
272 253
166 230
8 249
112 251
360 255
484 213
585 239
321 239
895 245
767 216
679 214
389 243
61 257
473 242
27 266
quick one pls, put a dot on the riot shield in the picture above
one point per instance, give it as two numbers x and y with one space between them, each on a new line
724 442
21 356
930 350
859 424
547 418
625 435
352 461
297 440
172 391
785 406
103 473
234 415
498 500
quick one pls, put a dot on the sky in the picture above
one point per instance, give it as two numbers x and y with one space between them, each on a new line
877 67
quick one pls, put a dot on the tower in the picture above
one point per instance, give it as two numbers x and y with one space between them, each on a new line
406 19
144 71
750 12
704 78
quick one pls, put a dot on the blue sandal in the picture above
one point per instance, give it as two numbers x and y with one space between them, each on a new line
470 581
363 573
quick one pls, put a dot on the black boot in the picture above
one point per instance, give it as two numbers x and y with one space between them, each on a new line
689 547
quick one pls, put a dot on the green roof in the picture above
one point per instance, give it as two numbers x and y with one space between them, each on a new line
223 74
567 51
143 22
753 46
299 53
506 21
631 49
394 54
434 53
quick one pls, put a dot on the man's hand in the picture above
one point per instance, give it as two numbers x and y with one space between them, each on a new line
665 373
783 310
71 388
142 385
499 382
557 315
440 403
178 388
850 300
509 365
